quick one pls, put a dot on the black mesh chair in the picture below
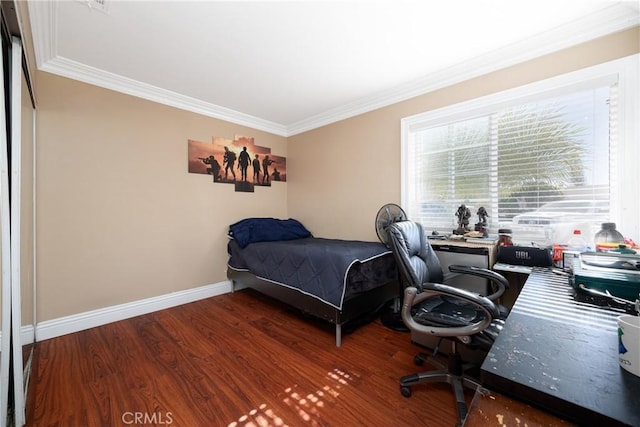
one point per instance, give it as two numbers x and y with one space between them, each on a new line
436 309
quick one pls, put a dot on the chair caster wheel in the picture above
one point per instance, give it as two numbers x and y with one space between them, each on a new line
418 360
406 391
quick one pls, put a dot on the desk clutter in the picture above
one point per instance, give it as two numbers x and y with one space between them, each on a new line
608 277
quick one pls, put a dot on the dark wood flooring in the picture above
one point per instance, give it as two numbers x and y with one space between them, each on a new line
234 360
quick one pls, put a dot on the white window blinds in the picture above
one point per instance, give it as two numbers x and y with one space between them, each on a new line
540 165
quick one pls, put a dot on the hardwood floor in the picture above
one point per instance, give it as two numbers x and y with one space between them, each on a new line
234 360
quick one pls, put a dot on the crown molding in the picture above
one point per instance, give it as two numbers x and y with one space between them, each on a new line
43 15
74 70
616 17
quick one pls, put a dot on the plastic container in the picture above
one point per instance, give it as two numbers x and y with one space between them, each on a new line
558 257
608 237
504 237
577 242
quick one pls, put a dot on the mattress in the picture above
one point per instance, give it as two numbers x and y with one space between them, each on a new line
331 270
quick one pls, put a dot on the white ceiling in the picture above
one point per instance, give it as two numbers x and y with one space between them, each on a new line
289 66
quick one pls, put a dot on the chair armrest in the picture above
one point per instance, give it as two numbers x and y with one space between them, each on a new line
493 276
412 297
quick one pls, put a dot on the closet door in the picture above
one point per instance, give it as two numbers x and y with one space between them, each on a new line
16 230
5 251
27 228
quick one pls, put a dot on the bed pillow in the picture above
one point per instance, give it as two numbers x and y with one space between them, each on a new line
252 230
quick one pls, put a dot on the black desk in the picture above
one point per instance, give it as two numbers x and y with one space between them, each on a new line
562 355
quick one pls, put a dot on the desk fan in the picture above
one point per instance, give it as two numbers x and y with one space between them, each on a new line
387 215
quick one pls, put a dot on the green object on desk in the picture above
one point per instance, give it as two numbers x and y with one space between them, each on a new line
618 283
623 249
616 274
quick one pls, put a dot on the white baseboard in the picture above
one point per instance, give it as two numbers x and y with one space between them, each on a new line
27 333
90 319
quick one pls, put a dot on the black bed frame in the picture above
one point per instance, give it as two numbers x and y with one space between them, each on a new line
352 308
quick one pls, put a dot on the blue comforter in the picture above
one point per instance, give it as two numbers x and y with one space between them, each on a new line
315 266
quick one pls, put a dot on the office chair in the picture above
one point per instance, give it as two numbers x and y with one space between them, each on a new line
436 309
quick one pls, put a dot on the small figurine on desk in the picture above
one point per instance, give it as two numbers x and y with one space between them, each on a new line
463 215
481 225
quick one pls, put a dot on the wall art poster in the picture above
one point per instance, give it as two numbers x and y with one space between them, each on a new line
237 161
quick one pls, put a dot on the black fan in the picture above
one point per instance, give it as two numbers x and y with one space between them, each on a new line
387 215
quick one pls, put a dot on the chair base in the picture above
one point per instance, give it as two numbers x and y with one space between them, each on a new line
430 343
453 374
391 316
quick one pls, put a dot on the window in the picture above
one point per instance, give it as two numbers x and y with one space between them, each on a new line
543 160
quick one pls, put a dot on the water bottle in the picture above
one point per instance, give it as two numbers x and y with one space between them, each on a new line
577 242
571 256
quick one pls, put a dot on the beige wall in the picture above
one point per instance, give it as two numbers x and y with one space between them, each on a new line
342 173
119 219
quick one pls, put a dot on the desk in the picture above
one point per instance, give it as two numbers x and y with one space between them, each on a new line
561 355
516 275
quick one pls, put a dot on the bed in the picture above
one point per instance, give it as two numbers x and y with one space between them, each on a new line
338 281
